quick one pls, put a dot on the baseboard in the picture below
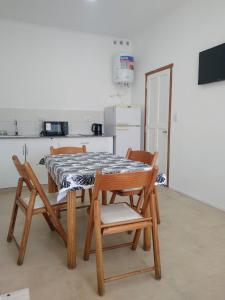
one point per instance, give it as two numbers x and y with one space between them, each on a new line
200 200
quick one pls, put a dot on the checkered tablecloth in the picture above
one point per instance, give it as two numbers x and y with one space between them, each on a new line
77 171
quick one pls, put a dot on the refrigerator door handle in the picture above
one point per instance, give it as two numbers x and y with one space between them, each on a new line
126 125
122 128
122 125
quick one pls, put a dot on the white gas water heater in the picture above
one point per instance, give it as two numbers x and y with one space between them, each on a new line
123 69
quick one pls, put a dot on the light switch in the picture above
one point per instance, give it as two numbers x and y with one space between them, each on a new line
175 118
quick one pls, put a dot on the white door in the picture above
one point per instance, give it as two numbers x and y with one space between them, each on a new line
157 116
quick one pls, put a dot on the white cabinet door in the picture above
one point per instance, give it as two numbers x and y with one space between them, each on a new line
93 144
35 150
65 142
8 173
101 144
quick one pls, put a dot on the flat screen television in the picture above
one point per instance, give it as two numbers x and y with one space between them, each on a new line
212 65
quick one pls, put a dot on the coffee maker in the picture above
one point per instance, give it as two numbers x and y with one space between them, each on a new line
96 129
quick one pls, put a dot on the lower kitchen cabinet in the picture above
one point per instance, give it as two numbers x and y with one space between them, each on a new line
33 149
93 144
8 173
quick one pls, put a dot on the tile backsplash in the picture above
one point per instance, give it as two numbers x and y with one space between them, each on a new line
29 122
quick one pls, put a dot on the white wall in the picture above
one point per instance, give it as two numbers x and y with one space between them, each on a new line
47 68
198 136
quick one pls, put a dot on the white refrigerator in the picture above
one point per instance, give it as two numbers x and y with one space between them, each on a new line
124 123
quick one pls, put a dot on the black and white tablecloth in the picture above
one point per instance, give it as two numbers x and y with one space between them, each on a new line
77 171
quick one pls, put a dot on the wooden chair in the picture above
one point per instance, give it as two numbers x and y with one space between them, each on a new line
147 158
71 150
121 217
38 202
67 150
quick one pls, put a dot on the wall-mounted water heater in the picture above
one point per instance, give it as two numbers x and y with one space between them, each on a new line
123 69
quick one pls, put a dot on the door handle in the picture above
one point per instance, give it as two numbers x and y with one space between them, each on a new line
164 131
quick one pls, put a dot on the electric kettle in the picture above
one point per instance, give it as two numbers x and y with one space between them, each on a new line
96 129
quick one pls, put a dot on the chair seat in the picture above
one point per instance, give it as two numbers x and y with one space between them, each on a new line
52 197
120 212
131 190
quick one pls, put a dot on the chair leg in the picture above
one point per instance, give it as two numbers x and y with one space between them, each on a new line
157 205
15 210
140 202
90 194
131 201
136 239
26 230
58 213
147 233
132 205
99 258
113 198
89 234
48 221
12 222
155 238
55 221
52 187
82 195
104 197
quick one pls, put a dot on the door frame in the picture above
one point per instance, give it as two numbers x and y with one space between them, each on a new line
170 67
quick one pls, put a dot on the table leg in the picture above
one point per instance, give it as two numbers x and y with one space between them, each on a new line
52 187
71 229
147 233
104 197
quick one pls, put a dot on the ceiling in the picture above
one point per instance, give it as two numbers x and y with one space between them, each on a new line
121 18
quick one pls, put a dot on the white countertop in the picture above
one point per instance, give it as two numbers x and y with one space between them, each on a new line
38 137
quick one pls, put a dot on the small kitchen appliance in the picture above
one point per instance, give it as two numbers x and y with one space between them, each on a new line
55 128
96 129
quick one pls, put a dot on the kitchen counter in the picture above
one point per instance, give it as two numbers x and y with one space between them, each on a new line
32 148
51 137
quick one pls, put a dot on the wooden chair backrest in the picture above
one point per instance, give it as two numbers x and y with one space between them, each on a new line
67 150
130 180
142 156
22 172
28 176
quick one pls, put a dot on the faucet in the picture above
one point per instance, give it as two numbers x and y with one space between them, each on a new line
16 127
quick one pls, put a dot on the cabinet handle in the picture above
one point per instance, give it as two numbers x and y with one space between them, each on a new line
26 149
23 150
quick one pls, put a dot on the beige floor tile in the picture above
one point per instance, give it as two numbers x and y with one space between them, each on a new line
192 243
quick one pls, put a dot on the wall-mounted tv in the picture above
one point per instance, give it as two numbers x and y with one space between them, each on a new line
212 65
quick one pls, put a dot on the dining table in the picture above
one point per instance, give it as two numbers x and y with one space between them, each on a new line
68 173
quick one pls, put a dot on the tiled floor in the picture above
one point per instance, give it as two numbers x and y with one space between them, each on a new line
192 244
